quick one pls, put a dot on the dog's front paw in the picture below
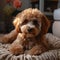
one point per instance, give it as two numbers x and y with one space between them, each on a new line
16 49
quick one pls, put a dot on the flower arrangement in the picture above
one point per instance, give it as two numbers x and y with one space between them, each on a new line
15 3
11 6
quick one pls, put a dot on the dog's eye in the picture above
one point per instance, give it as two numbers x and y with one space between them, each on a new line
35 22
25 22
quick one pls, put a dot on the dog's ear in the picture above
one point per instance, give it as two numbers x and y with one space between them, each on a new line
16 23
45 24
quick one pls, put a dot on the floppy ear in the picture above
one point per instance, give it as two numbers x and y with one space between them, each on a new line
45 25
17 19
16 24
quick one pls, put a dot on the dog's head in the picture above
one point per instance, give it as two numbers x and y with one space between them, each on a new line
31 22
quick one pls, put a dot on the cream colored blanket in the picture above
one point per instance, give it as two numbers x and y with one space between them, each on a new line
49 55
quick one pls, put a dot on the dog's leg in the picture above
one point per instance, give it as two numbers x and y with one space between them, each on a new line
17 46
38 49
7 38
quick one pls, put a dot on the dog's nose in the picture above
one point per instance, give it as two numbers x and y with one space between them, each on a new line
30 29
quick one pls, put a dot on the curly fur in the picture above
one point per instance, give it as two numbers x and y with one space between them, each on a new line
21 43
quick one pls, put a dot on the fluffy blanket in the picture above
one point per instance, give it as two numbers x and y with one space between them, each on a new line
49 55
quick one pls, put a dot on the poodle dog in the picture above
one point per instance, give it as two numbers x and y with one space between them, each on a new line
31 25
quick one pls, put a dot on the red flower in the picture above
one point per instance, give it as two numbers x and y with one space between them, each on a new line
8 1
17 3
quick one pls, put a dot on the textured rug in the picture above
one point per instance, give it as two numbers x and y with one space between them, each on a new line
49 55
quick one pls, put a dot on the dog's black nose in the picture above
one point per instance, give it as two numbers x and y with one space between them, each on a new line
30 29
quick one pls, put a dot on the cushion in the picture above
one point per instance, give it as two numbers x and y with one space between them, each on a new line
49 55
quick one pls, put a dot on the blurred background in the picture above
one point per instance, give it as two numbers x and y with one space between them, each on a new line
10 8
